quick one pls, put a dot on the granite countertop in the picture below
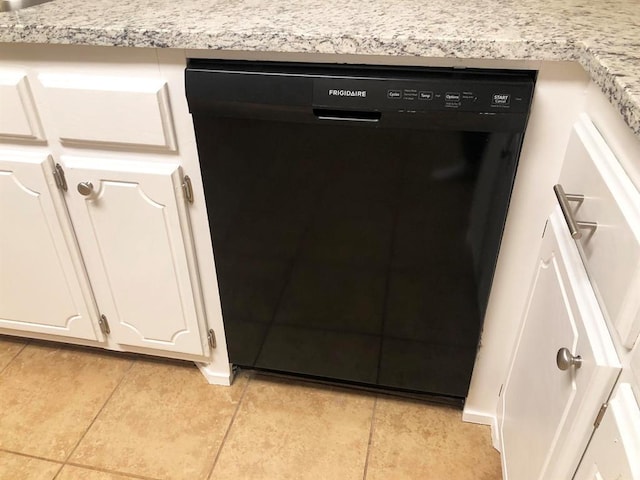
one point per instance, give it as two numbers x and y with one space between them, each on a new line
603 35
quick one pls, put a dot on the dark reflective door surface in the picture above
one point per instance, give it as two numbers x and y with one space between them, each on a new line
355 253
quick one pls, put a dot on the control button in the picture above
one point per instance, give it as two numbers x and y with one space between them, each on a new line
500 99
425 96
452 97
394 93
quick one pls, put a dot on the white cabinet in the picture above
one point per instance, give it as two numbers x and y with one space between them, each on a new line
585 298
132 225
115 268
43 286
546 414
614 450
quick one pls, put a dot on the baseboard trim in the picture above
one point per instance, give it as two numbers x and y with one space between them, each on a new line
477 417
215 377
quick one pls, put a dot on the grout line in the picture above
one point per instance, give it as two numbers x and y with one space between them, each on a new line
133 362
371 431
14 357
20 454
58 472
28 455
226 433
114 472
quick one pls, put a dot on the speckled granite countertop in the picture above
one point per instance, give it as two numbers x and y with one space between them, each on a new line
603 35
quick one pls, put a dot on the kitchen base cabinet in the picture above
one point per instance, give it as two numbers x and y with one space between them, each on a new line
563 368
132 225
545 429
125 265
614 450
43 286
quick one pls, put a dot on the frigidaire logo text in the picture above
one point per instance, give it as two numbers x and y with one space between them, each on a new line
348 93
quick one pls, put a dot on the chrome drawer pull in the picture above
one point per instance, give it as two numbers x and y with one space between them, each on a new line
563 200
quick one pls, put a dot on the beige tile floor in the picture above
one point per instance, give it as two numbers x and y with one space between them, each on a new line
69 413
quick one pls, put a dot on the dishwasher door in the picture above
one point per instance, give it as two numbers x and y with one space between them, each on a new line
354 253
356 214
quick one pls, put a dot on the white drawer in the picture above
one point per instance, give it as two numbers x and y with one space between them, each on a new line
611 252
613 450
18 115
99 111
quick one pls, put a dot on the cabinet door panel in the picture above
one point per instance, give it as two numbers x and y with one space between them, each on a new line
134 234
546 413
614 450
42 286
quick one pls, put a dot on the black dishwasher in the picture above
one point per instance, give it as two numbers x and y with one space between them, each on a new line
356 213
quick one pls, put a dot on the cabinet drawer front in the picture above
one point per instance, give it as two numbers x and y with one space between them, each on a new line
611 252
18 115
110 111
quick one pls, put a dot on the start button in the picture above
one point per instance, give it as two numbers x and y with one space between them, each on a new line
500 99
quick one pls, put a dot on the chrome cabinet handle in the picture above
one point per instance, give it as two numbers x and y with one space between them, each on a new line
572 223
85 188
564 359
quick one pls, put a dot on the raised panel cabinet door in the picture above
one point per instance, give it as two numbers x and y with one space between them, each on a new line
133 229
43 287
614 450
546 413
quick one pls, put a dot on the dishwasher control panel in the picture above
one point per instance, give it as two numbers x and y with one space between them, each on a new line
416 95
419 97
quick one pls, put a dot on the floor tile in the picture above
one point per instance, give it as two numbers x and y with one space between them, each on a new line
70 472
49 396
9 348
417 441
18 467
291 430
164 421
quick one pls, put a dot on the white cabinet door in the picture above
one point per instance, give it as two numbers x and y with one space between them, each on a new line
546 414
43 287
133 230
614 450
